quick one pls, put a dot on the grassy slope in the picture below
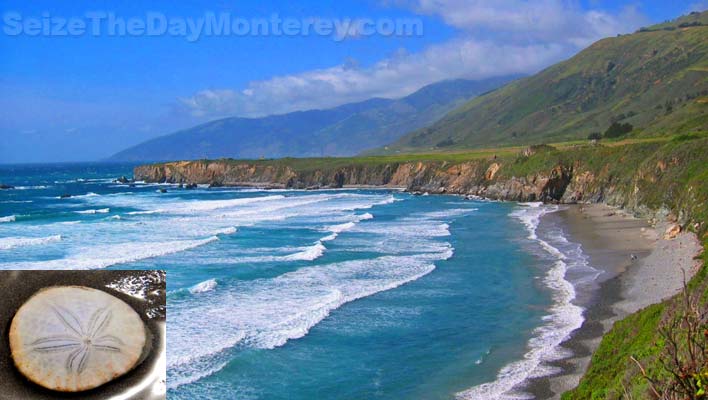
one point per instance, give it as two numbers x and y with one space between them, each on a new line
633 75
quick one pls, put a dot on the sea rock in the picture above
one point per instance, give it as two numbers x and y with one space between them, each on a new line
73 338
190 186
672 231
6 187
122 179
163 190
64 196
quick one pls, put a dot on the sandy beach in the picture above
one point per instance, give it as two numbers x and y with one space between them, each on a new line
639 267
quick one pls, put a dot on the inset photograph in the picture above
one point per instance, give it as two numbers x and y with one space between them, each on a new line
82 335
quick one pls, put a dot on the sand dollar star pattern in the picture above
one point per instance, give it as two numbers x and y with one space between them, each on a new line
80 341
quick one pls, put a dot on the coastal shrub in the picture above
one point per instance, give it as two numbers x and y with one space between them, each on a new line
684 356
634 336
445 143
595 136
618 129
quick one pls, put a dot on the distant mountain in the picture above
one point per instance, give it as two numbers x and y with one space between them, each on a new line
655 80
342 131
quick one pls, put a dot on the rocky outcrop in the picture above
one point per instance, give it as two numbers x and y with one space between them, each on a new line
469 178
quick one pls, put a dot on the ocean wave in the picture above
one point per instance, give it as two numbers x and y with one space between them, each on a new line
226 231
564 318
310 253
337 229
9 218
267 313
94 211
16 201
102 256
35 187
201 287
147 212
453 212
89 194
7 243
211 205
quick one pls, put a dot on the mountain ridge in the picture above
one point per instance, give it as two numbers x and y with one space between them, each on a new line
340 131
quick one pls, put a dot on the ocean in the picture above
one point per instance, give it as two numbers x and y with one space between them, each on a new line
330 294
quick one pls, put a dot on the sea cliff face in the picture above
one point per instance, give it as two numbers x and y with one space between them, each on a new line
468 178
643 178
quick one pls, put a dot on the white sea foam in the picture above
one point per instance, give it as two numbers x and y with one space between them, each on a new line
7 243
226 231
202 287
211 205
341 227
89 194
102 256
269 312
544 347
310 253
148 212
453 212
94 211
9 218
35 187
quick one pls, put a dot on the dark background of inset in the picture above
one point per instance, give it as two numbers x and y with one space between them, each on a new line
16 287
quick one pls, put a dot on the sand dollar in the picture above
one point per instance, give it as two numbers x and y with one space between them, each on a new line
74 338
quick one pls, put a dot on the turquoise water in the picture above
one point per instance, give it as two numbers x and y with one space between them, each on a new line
340 294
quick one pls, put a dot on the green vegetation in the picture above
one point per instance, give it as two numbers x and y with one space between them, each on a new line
656 80
632 336
618 129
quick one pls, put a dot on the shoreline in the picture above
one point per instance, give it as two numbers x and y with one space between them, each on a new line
632 256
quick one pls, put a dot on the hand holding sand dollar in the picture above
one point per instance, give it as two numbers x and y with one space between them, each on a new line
74 338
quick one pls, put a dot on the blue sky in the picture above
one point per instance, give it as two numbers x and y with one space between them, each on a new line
85 97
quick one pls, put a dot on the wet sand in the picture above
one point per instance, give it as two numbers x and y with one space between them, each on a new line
639 268
143 290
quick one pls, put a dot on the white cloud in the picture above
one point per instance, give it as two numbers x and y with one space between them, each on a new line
538 20
698 6
496 38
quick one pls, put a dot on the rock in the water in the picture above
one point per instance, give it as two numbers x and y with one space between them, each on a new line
5 187
672 231
65 196
163 190
122 179
73 338
191 186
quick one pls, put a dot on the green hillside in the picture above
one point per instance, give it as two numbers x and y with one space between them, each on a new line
341 131
655 79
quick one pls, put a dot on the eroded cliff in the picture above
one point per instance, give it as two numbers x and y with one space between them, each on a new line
645 178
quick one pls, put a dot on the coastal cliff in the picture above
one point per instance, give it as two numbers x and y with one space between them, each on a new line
645 178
